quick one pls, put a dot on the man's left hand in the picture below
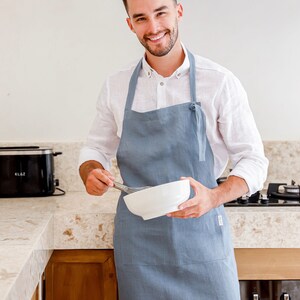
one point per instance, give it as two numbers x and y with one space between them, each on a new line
203 201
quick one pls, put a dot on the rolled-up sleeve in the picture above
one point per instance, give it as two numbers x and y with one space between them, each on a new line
102 141
241 136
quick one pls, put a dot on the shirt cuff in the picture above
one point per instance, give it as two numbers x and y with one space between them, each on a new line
254 178
92 154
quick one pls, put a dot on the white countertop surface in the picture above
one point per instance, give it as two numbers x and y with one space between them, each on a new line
31 228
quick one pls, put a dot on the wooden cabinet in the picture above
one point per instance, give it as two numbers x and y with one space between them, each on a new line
268 263
81 274
90 274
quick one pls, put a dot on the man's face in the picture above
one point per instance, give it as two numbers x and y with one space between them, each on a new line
155 23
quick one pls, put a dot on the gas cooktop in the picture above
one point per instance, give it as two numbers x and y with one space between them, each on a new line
278 194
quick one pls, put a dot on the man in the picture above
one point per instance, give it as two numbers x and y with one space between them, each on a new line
173 115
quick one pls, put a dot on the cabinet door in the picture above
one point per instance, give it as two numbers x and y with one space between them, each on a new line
81 274
268 263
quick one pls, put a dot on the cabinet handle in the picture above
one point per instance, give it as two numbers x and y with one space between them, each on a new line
255 296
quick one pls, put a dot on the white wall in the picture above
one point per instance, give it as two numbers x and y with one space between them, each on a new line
55 55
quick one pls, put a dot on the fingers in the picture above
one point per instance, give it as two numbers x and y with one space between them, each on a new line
193 201
188 209
189 203
104 176
98 182
191 208
190 212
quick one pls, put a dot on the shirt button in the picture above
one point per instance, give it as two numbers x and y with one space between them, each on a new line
178 74
161 83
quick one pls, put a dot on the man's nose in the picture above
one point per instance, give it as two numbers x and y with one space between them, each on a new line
153 26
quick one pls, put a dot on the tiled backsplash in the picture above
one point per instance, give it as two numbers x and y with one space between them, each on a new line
284 157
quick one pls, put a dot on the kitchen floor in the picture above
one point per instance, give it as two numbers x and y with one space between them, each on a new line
269 289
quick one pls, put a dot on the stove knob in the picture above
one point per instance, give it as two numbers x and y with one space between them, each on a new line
285 296
243 200
264 201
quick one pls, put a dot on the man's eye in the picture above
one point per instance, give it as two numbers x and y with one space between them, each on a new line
140 19
162 13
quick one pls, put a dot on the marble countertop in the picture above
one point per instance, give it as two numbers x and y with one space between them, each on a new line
31 228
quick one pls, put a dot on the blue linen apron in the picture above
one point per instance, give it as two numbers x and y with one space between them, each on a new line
169 258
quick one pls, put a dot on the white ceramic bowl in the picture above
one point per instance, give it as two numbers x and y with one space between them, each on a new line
158 200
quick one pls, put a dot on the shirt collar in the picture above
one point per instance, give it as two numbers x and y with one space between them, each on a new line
183 69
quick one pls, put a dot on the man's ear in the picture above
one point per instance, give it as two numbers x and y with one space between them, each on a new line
128 20
179 11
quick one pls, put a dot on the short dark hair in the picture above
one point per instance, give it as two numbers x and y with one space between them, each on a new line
126 6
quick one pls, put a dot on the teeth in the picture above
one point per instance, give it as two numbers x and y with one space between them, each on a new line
157 37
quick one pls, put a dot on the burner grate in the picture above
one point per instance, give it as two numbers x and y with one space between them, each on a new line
275 197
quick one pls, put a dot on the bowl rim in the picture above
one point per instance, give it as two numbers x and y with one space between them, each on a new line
183 181
150 214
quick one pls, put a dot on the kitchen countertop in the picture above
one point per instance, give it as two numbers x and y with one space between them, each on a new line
31 228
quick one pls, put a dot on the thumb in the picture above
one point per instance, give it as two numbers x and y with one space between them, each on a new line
194 184
191 202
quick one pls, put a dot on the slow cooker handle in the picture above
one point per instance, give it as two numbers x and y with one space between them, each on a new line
57 153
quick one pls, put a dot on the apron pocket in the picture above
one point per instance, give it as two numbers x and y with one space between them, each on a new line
171 241
143 242
202 239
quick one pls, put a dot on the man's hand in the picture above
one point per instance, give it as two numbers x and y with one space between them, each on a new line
202 202
95 178
206 199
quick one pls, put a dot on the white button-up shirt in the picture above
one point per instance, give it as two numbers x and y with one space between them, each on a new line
230 126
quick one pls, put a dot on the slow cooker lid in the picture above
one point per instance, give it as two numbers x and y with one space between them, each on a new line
24 150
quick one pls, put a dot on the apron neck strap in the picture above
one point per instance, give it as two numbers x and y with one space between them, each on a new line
192 76
132 86
135 76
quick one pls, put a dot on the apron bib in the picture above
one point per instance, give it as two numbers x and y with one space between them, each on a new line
169 258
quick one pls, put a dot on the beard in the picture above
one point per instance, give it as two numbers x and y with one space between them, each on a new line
161 49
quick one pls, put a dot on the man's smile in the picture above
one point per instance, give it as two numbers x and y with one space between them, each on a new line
157 37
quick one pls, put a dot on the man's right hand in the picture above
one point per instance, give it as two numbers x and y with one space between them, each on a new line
95 178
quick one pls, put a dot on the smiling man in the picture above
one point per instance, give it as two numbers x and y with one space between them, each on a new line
158 36
157 31
173 114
